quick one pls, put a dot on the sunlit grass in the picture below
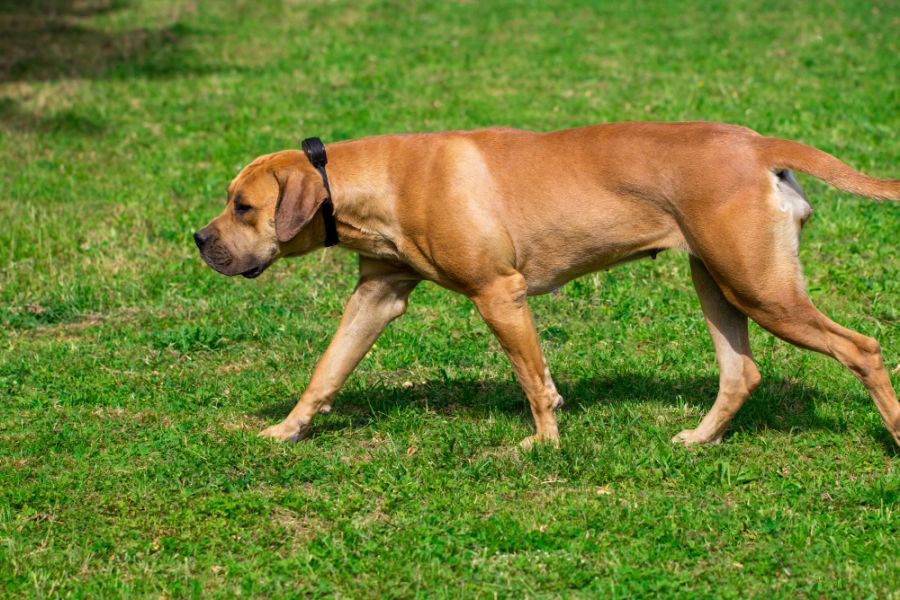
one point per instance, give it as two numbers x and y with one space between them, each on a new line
134 379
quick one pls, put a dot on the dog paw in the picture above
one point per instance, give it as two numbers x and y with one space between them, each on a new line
284 433
529 442
689 437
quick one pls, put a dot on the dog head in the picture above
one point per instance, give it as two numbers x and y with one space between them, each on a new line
272 210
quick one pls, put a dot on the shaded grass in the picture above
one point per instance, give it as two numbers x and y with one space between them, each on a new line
133 379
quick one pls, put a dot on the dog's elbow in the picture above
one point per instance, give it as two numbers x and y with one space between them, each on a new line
395 307
386 301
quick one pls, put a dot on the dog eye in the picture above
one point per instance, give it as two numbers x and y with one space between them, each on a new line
241 208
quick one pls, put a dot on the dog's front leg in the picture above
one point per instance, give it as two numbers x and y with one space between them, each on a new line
504 306
380 297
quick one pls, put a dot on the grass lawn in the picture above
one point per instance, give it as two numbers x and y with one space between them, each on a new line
133 379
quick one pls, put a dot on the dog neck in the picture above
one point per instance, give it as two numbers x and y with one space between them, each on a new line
363 193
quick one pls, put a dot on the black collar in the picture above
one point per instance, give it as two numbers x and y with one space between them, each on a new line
315 152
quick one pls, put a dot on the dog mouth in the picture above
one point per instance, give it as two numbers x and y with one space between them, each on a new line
217 256
226 266
254 272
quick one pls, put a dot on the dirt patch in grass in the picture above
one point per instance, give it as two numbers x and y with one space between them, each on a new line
299 528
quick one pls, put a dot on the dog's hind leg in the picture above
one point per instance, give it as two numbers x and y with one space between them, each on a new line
738 375
793 318
759 272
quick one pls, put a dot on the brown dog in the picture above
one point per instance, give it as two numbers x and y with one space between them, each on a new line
501 214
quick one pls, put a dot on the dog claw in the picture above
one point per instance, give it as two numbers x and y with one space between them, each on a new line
689 437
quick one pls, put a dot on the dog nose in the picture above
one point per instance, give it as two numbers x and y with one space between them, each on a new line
201 237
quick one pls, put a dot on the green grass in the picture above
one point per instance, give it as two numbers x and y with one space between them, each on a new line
134 379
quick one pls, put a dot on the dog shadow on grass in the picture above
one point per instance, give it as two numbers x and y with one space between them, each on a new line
777 404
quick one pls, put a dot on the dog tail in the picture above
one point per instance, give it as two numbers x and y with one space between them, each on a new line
787 154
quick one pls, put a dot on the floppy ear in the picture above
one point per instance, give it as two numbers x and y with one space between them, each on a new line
299 197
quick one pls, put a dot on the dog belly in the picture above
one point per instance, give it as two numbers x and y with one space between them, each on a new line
595 244
542 279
